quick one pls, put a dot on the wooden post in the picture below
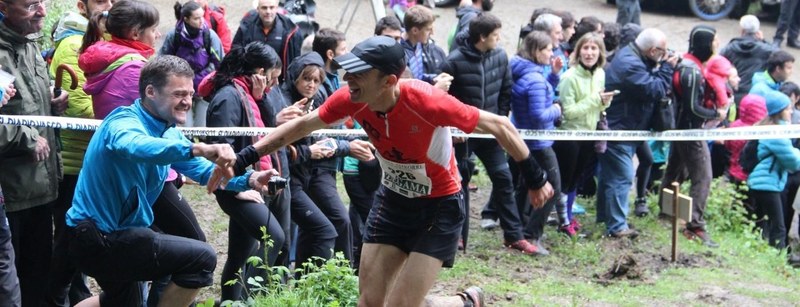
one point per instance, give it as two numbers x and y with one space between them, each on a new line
675 197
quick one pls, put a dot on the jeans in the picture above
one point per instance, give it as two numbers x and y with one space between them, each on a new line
9 284
691 160
494 160
628 11
614 181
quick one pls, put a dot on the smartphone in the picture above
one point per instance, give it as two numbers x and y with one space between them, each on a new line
330 143
307 106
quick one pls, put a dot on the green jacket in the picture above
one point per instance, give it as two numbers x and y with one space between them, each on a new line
579 92
27 183
73 142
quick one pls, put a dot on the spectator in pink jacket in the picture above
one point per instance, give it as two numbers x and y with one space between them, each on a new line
752 109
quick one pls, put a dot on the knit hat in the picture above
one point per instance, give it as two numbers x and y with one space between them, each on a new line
776 102
701 42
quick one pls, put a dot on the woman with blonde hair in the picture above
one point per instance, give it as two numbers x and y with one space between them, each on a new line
583 100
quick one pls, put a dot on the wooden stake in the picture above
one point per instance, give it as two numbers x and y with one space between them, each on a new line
675 197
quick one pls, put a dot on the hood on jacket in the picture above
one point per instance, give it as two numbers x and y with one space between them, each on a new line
521 67
297 66
464 10
752 109
100 55
71 23
716 71
745 44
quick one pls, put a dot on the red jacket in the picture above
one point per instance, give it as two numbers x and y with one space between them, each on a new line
219 25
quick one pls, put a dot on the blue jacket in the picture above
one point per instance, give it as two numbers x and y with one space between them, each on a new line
126 164
763 83
786 158
640 86
532 99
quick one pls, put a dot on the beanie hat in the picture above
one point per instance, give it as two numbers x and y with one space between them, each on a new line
776 102
701 41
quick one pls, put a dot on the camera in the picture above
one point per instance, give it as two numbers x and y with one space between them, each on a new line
275 184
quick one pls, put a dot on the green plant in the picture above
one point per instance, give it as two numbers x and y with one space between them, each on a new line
322 282
725 210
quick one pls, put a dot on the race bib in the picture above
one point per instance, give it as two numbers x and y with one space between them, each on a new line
407 179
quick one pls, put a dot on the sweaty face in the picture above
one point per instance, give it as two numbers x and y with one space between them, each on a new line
172 102
24 17
589 54
365 86
267 11
196 19
308 85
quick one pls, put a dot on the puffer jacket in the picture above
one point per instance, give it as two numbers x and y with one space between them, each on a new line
283 37
580 97
640 86
432 59
112 76
303 165
482 80
215 18
752 109
532 100
749 55
68 40
27 183
777 157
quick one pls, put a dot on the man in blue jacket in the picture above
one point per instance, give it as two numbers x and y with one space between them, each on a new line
780 65
109 223
642 72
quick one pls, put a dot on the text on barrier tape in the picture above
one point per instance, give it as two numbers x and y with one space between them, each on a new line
742 133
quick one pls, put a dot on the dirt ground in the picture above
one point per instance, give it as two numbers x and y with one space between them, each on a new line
515 14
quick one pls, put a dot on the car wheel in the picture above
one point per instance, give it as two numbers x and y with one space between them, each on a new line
712 9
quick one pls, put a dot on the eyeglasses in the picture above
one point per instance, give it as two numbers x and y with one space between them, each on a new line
33 7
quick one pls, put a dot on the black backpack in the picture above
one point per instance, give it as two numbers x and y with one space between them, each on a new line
748 158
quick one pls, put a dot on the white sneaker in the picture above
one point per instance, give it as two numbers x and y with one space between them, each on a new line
489 224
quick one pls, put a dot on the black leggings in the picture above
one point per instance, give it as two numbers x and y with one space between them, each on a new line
244 236
645 157
769 203
574 157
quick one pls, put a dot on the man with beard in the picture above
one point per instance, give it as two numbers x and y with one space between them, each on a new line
465 12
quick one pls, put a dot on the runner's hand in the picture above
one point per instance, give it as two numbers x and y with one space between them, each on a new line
361 150
319 151
223 156
539 197
250 196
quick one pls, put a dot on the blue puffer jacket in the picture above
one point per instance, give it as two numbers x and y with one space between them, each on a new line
532 99
786 159
640 88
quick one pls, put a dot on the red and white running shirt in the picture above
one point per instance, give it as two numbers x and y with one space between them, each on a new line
413 140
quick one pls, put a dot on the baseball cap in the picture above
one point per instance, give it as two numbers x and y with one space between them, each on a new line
379 52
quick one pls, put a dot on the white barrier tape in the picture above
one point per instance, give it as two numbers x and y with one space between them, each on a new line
757 132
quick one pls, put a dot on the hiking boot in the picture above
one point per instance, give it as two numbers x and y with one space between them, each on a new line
701 234
489 224
568 229
524 246
473 297
627 233
640 207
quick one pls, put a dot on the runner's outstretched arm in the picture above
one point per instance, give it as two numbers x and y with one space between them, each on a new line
539 190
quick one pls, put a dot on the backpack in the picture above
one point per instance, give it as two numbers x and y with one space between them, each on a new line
748 158
218 9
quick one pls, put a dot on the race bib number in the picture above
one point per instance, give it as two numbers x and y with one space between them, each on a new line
407 179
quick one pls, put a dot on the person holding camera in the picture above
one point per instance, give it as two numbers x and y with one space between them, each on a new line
238 87
642 72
